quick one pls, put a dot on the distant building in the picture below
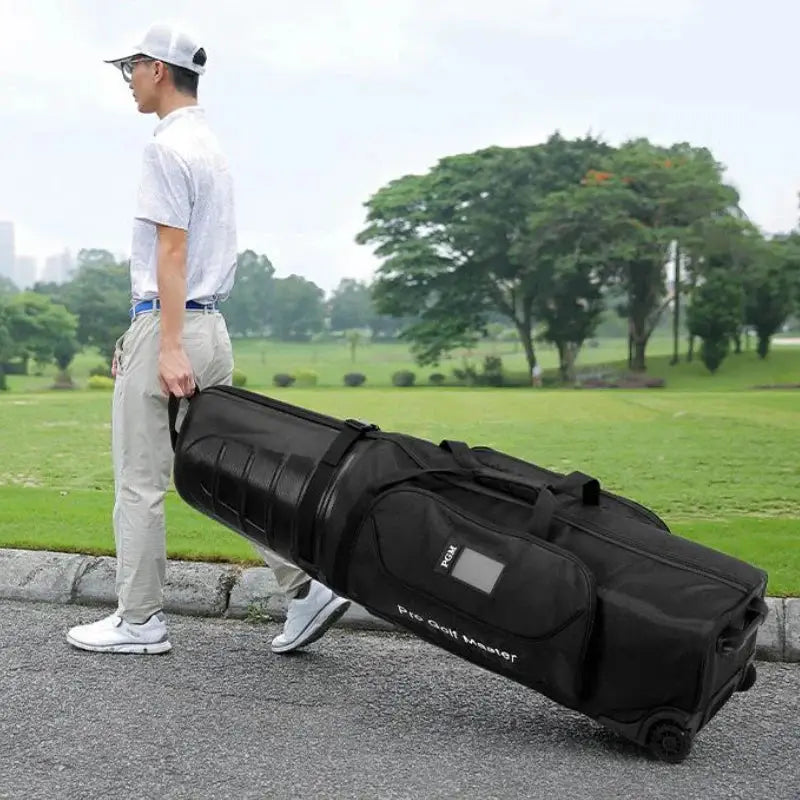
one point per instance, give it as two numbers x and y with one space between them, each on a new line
8 267
57 268
26 269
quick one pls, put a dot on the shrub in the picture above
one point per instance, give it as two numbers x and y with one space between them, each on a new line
638 381
437 379
492 371
624 381
403 377
101 382
354 379
282 379
100 369
16 367
305 378
467 375
492 364
239 378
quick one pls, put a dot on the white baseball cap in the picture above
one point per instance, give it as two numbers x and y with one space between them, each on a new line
169 44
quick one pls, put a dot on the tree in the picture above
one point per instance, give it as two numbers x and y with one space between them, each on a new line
676 303
663 192
38 327
350 305
49 289
791 244
297 309
64 351
100 295
727 242
448 241
7 286
792 254
93 257
715 314
248 307
353 338
385 326
6 344
769 290
494 333
570 239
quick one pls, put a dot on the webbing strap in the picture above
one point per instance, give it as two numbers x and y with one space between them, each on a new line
303 544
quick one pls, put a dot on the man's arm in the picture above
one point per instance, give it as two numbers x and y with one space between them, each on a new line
174 370
165 199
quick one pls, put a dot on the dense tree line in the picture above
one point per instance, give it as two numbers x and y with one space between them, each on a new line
550 236
54 321
553 241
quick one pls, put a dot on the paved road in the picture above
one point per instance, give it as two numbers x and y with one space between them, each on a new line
357 716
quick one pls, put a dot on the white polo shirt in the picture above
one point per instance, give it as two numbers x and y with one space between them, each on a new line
186 183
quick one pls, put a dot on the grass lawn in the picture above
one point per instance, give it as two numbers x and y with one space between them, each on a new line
720 466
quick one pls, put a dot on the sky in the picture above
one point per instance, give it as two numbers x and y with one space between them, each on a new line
319 103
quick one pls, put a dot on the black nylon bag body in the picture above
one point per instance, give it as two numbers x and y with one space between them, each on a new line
570 590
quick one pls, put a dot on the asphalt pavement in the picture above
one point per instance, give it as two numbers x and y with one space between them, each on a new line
357 715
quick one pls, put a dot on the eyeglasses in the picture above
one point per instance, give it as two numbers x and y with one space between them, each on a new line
126 67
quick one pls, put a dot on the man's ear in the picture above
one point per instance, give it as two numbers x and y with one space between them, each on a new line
159 71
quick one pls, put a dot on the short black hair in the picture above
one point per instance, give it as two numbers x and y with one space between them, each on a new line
184 79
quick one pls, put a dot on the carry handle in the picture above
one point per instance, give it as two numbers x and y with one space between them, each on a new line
576 483
173 407
732 639
544 506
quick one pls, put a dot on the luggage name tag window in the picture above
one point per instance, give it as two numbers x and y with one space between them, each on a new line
470 567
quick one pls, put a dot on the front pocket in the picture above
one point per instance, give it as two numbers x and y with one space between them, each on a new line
496 596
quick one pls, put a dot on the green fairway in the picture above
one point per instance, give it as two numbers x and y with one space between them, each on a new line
721 467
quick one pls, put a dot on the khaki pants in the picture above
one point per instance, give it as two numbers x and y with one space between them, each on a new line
142 456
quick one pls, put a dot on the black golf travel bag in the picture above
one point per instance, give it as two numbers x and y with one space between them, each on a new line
581 595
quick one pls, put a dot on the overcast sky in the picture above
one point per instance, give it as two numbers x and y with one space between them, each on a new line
321 102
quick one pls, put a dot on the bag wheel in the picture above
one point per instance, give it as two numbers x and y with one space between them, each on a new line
748 679
668 741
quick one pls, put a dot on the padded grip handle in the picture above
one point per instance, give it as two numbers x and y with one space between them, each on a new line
173 407
576 483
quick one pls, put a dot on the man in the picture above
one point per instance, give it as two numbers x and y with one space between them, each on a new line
183 262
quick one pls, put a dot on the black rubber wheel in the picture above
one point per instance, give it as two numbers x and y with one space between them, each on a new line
748 679
669 742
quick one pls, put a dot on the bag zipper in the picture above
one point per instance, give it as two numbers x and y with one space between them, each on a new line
627 544
608 536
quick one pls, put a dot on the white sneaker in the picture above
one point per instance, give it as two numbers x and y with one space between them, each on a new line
309 617
113 635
